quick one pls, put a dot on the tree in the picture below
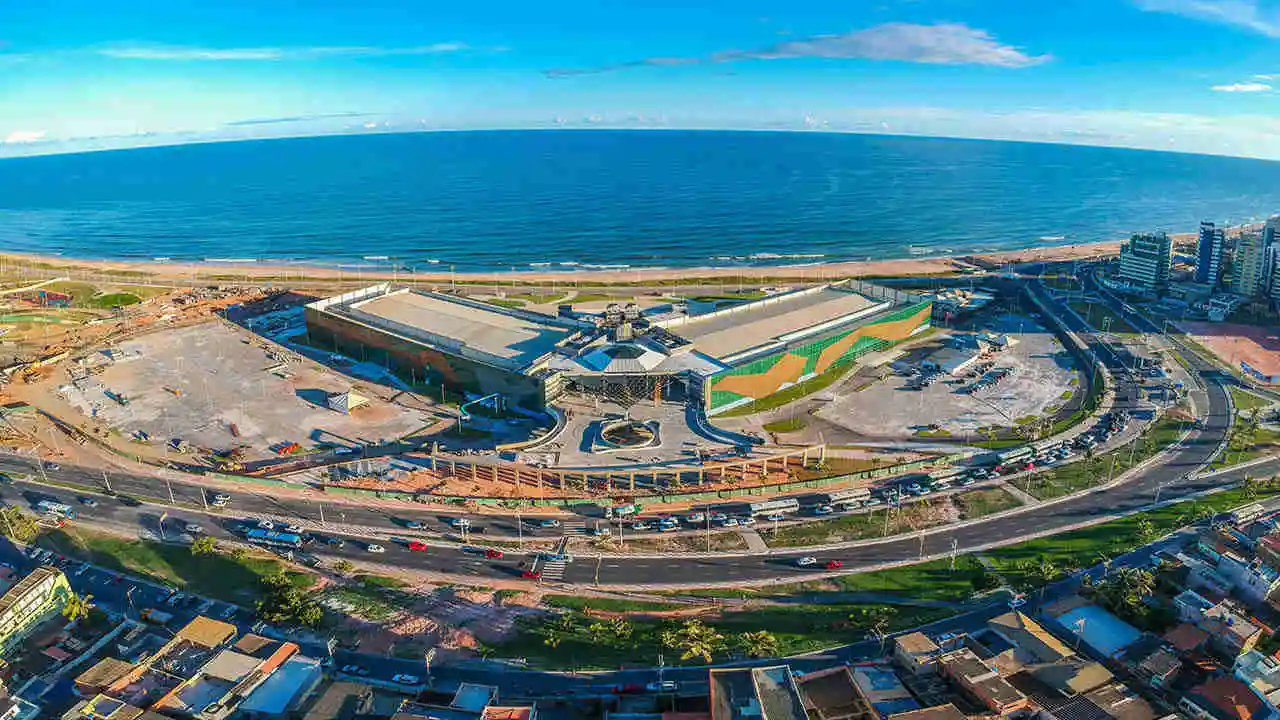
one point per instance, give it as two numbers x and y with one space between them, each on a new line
695 639
343 567
77 607
761 643
287 604
204 545
18 525
1249 487
1146 529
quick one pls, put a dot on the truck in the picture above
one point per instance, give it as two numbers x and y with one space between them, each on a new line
156 617
53 507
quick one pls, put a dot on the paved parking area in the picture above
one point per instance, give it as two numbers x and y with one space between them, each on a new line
1043 372
195 383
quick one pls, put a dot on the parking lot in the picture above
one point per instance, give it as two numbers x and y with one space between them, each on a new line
1024 382
215 386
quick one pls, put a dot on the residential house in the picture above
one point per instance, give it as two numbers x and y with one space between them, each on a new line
980 682
1190 605
1073 676
882 688
831 694
340 701
763 693
1223 698
1230 632
1153 661
1022 642
938 712
1187 638
38 597
916 653
1262 674
101 676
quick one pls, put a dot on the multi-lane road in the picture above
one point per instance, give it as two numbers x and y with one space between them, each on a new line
1167 477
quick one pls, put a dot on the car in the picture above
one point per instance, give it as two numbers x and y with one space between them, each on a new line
52 466
668 528
375 548
406 679
668 522
414 525
229 612
719 517
220 499
914 488
192 528
128 501
627 689
335 542
294 529
266 525
641 525
531 574
355 670
344 450
460 522
492 554
602 531
806 561
88 502
747 520
417 546
834 564
823 510
662 686
549 523
775 517
695 518
729 522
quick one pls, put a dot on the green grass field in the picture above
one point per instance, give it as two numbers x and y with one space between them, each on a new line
786 425
977 503
914 516
1246 401
1084 474
220 575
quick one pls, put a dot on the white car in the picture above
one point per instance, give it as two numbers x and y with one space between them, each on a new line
806 561
694 518
460 522
406 679
775 517
375 548
220 499
295 529
823 510
193 528
266 525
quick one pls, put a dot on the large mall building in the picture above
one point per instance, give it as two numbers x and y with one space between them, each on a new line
720 359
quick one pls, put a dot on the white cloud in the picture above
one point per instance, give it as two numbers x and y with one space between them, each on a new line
24 136
1246 87
941 44
1254 15
190 53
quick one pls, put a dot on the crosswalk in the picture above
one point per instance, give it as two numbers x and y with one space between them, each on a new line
553 570
575 527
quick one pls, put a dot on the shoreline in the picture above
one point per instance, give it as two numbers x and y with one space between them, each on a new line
275 271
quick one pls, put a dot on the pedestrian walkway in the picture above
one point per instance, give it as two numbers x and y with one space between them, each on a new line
1025 497
755 543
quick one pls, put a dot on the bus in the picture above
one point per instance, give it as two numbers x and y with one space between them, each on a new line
273 538
851 496
53 507
781 505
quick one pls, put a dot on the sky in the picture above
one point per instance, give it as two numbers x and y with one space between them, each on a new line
1186 75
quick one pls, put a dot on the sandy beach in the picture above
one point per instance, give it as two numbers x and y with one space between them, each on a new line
178 272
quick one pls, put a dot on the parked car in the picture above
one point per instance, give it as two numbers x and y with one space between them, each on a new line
823 510
355 670
694 518
662 686
549 523
375 548
406 679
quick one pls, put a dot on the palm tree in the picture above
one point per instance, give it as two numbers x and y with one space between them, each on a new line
77 607
696 639
761 643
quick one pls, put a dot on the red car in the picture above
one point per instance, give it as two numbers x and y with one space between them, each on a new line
492 554
834 564
531 574
418 546
627 689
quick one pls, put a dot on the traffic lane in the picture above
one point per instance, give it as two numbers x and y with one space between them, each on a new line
1131 496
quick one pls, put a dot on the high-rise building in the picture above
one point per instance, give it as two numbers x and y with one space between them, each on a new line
1145 261
1271 230
1213 241
1251 265
1273 252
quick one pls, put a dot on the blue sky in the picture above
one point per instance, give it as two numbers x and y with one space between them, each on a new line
1189 75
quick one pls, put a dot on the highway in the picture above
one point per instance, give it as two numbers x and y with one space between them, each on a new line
1165 478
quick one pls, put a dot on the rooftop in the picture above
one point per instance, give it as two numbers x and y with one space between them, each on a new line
207 632
474 697
1186 637
772 320
938 712
500 712
507 338
284 687
767 693
832 695
1227 699
340 701
916 643
105 672
33 580
1030 637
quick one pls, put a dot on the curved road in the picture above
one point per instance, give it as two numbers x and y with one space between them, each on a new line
1166 477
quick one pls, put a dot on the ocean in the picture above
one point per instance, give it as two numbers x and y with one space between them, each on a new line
570 200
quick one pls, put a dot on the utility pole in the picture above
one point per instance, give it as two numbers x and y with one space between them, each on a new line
106 483
168 484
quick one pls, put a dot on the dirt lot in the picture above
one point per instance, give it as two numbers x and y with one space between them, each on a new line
1258 346
194 383
1043 373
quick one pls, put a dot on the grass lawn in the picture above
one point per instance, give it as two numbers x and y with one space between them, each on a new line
977 503
81 292
1086 547
110 300
220 575
597 297
1096 315
1245 447
786 425
721 541
536 298
606 604
500 302
1088 473
858 526
798 628
1246 401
